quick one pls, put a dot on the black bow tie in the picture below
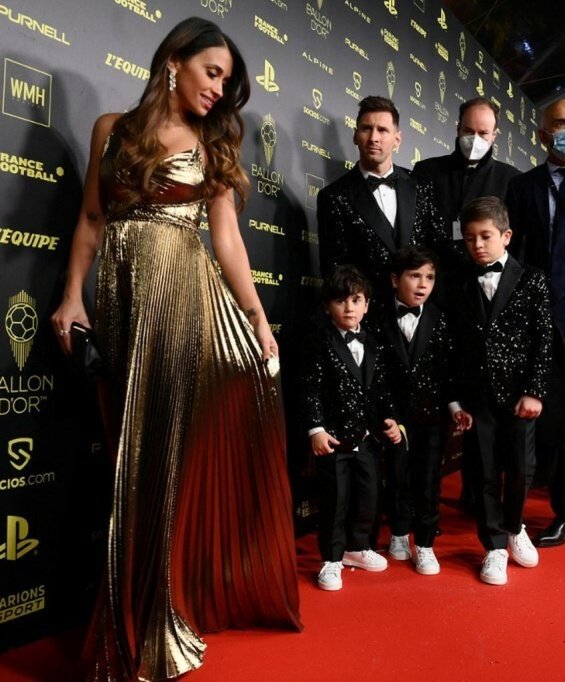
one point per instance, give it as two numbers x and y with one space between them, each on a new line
351 336
373 182
404 310
495 267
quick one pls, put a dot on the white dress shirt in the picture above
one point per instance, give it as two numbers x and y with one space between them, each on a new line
385 196
490 280
408 323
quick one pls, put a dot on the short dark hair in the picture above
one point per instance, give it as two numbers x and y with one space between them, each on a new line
479 102
377 103
485 208
411 258
344 281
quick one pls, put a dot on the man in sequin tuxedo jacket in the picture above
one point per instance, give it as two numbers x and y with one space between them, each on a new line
375 208
503 328
346 405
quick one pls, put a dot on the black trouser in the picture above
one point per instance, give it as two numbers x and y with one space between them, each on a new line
414 481
348 500
503 450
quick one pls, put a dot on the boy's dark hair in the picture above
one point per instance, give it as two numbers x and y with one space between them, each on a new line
344 281
377 103
478 102
412 258
485 208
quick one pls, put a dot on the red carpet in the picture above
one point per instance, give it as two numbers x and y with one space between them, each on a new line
389 625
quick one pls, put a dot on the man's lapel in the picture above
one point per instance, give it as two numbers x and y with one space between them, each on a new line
364 202
406 209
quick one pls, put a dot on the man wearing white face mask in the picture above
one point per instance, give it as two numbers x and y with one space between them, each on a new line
470 171
536 207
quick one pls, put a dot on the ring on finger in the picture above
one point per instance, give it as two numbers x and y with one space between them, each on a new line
62 332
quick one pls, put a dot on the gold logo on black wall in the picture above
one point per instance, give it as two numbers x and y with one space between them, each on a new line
26 93
357 80
21 326
267 78
510 91
420 4
510 143
522 108
317 98
441 20
390 78
462 45
391 7
417 156
480 88
19 452
269 137
496 76
442 86
17 542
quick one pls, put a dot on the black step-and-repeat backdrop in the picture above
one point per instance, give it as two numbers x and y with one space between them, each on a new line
64 62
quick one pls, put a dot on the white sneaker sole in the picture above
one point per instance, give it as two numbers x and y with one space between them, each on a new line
358 564
490 580
521 561
331 588
433 570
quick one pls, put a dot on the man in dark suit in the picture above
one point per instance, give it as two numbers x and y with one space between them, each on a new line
368 213
346 404
503 339
536 206
465 174
469 171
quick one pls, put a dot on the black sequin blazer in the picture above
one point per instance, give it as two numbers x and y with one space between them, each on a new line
353 229
503 350
336 394
420 372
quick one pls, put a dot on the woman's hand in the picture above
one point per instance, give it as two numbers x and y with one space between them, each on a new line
67 313
264 335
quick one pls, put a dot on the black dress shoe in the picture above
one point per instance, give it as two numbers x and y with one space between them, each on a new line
553 535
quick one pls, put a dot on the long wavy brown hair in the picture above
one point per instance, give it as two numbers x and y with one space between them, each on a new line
220 131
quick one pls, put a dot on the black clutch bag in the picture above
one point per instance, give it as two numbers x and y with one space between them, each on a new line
85 355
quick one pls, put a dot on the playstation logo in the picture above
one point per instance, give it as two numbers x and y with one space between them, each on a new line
441 20
17 542
267 78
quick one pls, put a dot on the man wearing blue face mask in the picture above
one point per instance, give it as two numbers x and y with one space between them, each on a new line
536 207
470 171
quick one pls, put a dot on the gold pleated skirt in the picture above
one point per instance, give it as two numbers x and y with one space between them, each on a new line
201 535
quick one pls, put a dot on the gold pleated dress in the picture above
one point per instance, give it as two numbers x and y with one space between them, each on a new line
201 535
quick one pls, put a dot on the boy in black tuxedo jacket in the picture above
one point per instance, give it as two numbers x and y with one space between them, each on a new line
346 404
419 356
504 335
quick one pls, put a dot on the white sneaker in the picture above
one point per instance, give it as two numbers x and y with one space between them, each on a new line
399 547
425 561
329 578
366 558
493 571
521 549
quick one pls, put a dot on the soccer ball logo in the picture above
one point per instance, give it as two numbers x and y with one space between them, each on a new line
269 137
21 323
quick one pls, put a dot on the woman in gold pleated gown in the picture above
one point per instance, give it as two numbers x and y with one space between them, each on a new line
200 535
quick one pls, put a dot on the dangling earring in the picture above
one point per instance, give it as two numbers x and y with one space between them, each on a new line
172 80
